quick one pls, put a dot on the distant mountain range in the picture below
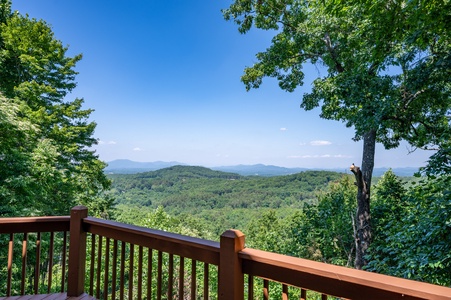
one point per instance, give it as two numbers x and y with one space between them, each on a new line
125 166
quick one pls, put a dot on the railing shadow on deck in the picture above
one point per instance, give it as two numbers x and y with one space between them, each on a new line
111 260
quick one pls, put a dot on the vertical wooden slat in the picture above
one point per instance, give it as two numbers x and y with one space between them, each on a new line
193 279
51 251
37 263
303 294
91 271
149 273
284 292
323 297
206 280
64 256
130 271
140 272
250 284
265 289
10 263
77 252
24 263
181 278
114 271
170 276
122 272
106 268
159 274
99 266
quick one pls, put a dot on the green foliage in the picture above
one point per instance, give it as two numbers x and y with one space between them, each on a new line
159 219
413 240
324 232
221 198
47 164
321 231
266 233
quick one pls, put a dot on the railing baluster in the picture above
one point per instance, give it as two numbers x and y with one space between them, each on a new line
106 268
250 284
140 272
63 269
170 275
265 289
160 274
323 297
122 272
114 269
91 271
10 263
284 292
206 280
51 250
149 273
37 263
24 263
193 279
99 267
303 294
130 271
181 278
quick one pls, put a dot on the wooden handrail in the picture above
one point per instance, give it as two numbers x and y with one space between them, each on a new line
172 243
34 224
335 280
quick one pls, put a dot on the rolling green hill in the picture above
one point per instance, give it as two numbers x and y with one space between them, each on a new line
221 199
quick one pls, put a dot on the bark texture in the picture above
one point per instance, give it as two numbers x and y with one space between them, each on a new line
363 181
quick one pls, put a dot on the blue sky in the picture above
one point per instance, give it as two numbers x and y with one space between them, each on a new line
164 80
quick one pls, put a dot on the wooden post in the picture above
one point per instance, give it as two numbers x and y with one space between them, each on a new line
77 252
231 277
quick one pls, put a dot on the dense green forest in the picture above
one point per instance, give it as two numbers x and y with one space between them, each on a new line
219 198
309 214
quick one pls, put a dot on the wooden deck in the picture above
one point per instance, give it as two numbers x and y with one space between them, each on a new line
59 296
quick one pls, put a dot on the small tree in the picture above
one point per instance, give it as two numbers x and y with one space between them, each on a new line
387 68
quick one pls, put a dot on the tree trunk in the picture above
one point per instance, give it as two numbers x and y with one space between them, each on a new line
363 181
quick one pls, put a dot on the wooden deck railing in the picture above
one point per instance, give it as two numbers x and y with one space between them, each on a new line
111 260
41 250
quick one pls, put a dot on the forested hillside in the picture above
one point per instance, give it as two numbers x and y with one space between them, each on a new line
310 214
213 195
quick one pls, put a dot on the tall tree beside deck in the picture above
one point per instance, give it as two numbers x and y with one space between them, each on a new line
37 75
386 67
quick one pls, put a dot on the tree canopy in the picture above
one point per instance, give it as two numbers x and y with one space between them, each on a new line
49 160
387 68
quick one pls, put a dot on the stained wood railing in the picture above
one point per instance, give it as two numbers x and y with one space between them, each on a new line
41 249
111 260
